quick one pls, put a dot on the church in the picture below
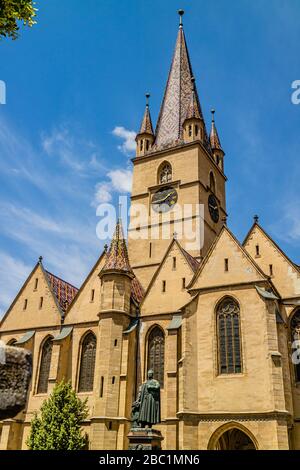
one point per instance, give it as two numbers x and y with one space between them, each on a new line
215 321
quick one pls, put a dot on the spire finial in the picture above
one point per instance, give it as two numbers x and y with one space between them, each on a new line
147 99
40 259
193 80
180 13
213 114
256 218
120 211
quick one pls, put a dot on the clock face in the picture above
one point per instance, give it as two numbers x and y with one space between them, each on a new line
213 208
164 200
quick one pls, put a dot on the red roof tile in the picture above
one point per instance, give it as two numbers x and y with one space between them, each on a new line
63 291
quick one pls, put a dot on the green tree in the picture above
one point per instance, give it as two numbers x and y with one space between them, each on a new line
12 12
59 425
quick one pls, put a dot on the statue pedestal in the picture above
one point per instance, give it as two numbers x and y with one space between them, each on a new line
144 439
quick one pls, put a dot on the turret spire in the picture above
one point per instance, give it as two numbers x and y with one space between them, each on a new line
145 137
177 97
214 137
117 256
193 109
146 126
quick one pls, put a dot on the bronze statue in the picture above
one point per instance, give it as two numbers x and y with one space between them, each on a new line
146 408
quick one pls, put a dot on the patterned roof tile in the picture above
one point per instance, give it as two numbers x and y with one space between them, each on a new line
63 291
117 256
137 291
177 99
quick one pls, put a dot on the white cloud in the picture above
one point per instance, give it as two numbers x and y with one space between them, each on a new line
120 181
129 144
13 273
287 228
79 154
102 193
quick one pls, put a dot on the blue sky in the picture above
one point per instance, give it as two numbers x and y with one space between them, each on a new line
75 95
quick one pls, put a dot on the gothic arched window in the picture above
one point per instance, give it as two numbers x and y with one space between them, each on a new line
295 336
87 363
212 183
229 343
165 173
156 354
45 366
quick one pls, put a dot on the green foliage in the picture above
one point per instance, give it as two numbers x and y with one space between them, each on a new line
12 12
59 425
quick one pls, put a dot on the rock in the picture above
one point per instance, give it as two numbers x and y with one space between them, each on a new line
15 375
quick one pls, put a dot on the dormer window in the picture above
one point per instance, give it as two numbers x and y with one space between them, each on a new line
190 131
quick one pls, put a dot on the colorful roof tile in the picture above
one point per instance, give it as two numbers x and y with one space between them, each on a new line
63 291
117 256
193 262
137 291
177 98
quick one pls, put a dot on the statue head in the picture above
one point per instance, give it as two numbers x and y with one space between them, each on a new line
150 374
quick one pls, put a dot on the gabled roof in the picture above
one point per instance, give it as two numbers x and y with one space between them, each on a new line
212 249
256 224
63 291
192 262
177 98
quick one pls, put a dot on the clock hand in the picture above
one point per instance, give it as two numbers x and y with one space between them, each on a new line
163 199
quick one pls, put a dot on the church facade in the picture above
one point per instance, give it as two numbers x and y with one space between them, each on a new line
216 321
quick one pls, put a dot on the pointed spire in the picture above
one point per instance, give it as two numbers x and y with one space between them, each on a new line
214 137
117 255
178 96
146 126
193 109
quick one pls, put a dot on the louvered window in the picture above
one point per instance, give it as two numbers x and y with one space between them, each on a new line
156 354
229 344
87 364
45 366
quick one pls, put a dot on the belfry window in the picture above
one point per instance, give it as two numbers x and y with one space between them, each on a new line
156 354
165 174
295 336
228 330
45 366
87 364
212 183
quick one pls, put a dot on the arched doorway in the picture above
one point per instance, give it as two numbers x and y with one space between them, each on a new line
232 437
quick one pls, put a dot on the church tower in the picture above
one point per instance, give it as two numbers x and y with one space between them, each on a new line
178 175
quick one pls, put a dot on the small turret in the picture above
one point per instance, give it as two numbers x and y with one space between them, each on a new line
145 137
193 125
215 144
116 275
